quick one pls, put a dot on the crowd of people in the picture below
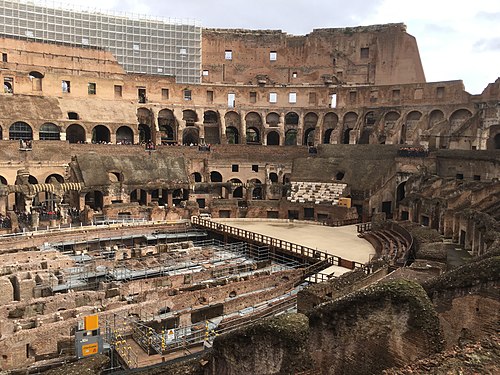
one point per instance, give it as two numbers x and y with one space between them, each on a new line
25 144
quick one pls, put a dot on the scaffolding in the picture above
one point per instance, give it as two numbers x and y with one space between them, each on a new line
141 44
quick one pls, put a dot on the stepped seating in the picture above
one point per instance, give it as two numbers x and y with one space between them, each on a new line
388 243
316 192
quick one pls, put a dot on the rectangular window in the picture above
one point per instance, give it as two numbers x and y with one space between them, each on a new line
187 94
295 75
418 94
292 97
228 54
210 96
365 52
92 88
333 100
253 97
235 168
273 97
440 92
273 56
66 86
165 94
205 73
118 91
353 96
396 94
231 100
477 177
312 98
141 93
255 167
374 96
4 57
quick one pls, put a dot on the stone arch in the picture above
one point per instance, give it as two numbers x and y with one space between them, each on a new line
400 192
124 135
253 135
36 80
291 137
435 116
49 132
20 130
390 119
309 137
310 122
190 136
253 120
273 138
257 191
101 134
238 191
215 176
3 180
412 119
291 119
189 117
94 199
54 177
196 177
350 120
167 126
458 117
75 134
273 119
330 122
211 127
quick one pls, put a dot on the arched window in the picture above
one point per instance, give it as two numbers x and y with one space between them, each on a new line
49 132
20 130
253 135
100 134
75 134
291 138
273 139
124 135
232 135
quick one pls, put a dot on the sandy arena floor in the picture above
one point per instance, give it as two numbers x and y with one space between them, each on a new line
341 241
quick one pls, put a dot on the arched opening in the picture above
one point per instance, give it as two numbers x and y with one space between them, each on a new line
257 191
292 118
49 132
435 116
196 176
139 196
291 137
390 119
273 139
237 190
190 136
411 122
211 127
253 136
190 117
309 137
144 133
350 120
36 80
233 123
400 192
167 126
101 134
402 138
53 178
20 130
215 177
75 134
124 136
232 135
330 122
166 134
273 119
94 199
459 117
370 121
3 180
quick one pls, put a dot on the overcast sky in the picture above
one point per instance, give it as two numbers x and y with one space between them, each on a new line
458 39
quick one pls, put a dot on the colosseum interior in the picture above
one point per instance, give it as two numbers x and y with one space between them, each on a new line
127 202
